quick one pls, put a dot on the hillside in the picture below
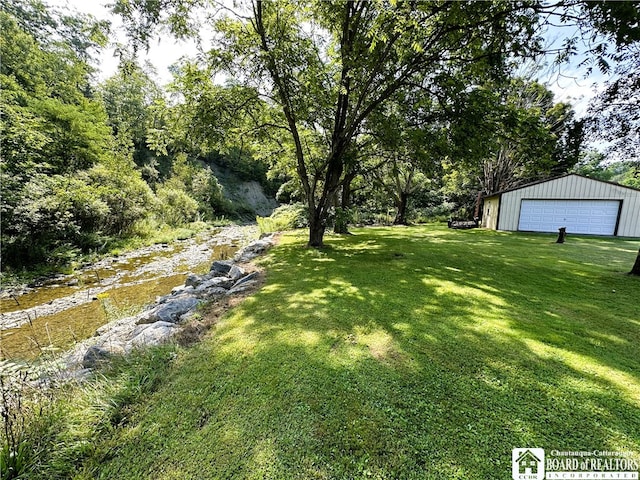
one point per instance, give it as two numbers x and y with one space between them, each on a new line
247 195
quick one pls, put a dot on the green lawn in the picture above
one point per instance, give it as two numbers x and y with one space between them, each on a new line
415 352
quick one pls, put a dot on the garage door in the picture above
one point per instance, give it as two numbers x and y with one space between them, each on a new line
597 217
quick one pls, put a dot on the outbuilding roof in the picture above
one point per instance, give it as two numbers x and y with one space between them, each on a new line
557 178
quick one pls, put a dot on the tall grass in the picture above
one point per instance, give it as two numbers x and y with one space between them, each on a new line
286 217
50 428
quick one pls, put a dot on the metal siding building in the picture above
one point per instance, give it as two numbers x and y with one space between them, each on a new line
582 205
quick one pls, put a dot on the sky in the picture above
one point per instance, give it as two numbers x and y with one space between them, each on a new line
569 86
163 52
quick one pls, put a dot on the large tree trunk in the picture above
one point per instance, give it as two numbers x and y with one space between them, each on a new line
318 215
401 213
636 266
317 226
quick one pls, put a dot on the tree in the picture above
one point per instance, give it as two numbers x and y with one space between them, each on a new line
614 114
127 97
49 123
536 138
592 165
202 129
50 128
408 145
502 135
329 65
64 187
379 51
635 270
614 47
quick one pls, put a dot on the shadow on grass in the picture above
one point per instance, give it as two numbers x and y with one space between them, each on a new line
402 353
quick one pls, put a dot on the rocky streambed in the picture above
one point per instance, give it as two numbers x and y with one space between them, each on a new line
165 318
66 309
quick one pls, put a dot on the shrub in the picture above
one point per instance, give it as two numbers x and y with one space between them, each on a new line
206 189
436 213
285 217
175 207
52 212
127 195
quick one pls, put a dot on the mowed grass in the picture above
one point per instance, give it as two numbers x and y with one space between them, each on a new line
405 353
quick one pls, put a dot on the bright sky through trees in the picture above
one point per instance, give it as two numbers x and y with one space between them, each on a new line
567 82
163 52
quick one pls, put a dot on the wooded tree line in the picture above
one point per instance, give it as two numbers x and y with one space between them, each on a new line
85 162
334 73
356 109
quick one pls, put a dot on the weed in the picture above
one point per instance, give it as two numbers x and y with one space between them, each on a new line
286 217
23 404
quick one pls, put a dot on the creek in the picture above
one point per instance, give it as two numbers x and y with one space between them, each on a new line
53 315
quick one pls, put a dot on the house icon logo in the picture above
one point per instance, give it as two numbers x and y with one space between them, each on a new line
527 464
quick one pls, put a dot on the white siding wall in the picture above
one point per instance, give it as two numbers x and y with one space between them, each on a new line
574 187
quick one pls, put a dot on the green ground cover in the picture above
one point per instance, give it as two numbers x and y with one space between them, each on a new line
415 352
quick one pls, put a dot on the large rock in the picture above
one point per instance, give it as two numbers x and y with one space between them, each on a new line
241 288
235 273
193 281
213 292
221 267
254 249
247 278
219 282
116 327
153 334
176 293
170 311
96 356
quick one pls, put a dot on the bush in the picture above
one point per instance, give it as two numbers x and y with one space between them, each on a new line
52 212
82 210
123 190
206 189
285 217
175 207
437 213
364 216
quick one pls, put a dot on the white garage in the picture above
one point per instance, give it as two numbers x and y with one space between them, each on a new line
596 217
582 205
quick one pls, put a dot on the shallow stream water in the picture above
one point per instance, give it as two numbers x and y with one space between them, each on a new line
53 316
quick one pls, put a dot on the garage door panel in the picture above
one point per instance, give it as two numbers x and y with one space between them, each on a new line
596 217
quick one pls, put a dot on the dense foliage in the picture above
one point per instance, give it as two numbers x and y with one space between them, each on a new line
346 112
316 74
81 163
362 111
